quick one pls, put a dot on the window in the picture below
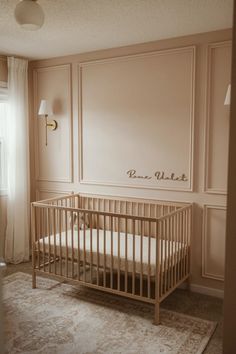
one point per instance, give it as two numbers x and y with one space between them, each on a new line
3 135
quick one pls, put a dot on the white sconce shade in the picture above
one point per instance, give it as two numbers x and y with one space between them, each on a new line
29 14
227 97
45 108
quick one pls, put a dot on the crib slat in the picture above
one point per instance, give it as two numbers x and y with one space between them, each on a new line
57 227
189 234
49 240
184 232
72 243
181 245
66 227
133 273
157 275
172 226
104 251
60 250
54 240
141 260
84 256
118 245
178 246
78 253
111 275
98 260
171 252
185 243
175 258
38 233
91 247
161 260
44 234
126 254
168 245
165 274
149 259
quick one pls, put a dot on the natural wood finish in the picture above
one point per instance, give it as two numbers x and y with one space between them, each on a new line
137 222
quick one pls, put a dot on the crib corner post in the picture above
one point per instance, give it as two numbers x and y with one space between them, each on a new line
157 313
157 278
33 245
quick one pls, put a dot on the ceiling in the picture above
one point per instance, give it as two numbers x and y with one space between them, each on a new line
78 26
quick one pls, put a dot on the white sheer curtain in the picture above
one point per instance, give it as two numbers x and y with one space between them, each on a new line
17 233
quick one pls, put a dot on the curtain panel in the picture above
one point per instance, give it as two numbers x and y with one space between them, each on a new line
18 210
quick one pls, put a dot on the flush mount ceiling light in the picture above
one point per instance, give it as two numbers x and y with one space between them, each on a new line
29 14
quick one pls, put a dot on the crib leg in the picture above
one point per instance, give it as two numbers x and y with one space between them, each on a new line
33 280
157 314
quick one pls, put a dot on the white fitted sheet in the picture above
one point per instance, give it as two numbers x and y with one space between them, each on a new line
168 249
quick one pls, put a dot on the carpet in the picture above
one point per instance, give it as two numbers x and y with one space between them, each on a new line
58 318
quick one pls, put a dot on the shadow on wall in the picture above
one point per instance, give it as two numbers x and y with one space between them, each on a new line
58 108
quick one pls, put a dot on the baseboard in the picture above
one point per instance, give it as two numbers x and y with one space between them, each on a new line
204 290
207 291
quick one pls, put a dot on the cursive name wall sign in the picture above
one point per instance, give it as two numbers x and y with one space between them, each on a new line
159 176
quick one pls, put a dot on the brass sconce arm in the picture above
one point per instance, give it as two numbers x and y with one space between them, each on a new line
52 124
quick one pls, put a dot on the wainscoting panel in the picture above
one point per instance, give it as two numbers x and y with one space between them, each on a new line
54 161
136 120
217 122
213 245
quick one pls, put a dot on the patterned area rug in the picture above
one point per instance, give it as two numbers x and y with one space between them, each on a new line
61 318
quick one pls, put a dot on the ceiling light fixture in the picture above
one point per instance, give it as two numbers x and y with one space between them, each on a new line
29 14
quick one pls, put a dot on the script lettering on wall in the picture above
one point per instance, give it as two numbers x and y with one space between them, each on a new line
159 175
138 111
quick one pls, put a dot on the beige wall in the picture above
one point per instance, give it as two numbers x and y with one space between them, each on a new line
229 338
159 109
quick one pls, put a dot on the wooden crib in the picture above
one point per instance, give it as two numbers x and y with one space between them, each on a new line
131 247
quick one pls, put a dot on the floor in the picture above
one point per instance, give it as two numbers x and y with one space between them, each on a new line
183 301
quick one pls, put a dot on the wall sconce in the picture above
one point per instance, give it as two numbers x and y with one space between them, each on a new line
227 96
45 109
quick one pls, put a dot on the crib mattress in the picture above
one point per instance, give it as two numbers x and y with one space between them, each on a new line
61 244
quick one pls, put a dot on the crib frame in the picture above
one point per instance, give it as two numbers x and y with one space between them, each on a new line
170 224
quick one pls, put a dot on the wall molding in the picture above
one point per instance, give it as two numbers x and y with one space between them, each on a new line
38 177
206 274
210 48
80 66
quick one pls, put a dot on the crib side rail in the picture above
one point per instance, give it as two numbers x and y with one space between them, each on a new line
174 232
70 200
